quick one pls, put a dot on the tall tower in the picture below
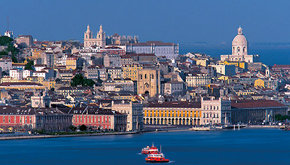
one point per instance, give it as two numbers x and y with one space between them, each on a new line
88 35
148 82
101 37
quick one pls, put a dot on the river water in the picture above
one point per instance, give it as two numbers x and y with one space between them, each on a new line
240 147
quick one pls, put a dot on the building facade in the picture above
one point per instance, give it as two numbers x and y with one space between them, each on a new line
209 111
26 118
149 82
90 40
198 80
172 113
134 111
98 119
256 111
169 50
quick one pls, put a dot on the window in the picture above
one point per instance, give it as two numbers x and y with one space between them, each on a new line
145 76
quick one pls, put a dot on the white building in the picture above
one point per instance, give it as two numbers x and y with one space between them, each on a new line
169 50
5 64
27 73
198 80
42 74
240 50
39 67
174 88
215 111
134 113
16 74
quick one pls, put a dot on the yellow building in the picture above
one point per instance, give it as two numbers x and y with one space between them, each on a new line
202 62
32 79
49 84
259 83
35 54
172 113
131 71
207 111
239 64
71 63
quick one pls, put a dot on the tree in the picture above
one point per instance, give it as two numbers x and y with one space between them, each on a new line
14 59
29 65
83 127
73 128
79 79
280 117
5 41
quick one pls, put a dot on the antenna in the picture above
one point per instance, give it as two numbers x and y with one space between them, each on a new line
160 148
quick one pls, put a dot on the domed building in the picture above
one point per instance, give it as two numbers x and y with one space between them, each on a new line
240 50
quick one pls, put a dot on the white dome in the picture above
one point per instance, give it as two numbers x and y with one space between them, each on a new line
240 39
240 44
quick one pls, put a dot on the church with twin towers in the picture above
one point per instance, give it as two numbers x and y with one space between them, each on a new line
101 39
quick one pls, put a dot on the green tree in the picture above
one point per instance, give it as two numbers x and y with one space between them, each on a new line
83 127
79 79
73 128
29 65
280 117
5 41
14 59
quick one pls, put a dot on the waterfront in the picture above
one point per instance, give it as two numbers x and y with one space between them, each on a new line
246 146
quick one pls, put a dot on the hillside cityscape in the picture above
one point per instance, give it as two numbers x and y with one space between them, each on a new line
119 83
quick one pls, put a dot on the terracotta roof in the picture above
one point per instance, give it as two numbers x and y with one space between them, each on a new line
19 83
256 104
11 110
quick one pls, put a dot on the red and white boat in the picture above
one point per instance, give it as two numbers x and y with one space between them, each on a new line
150 150
156 158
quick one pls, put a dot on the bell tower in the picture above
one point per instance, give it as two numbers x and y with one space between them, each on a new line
88 35
101 37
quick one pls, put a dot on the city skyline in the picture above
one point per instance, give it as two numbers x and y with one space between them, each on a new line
187 22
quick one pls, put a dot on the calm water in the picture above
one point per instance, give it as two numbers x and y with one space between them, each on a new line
244 147
268 56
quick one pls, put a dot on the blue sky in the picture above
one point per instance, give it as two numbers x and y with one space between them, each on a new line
184 21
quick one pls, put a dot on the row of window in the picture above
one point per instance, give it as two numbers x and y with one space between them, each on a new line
145 76
210 115
91 119
12 119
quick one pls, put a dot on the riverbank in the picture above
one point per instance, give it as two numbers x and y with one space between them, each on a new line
263 126
147 129
58 136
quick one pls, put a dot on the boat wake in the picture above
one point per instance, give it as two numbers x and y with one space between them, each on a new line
171 161
139 153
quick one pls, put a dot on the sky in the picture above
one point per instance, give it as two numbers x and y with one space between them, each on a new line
189 22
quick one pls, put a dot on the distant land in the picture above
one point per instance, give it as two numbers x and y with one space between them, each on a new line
270 53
